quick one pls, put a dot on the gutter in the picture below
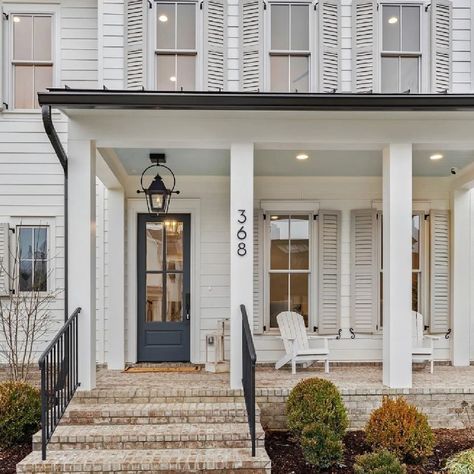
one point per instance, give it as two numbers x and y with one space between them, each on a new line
62 157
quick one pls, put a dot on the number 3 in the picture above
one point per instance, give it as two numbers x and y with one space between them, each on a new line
243 217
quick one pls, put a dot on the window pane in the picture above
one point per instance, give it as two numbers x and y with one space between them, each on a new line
415 292
278 296
279 73
390 75
41 275
186 74
409 75
23 37
279 27
25 242
165 34
42 38
174 245
410 28
154 246
174 297
43 80
279 247
299 229
186 34
415 242
154 297
41 243
24 84
299 27
391 28
25 275
299 74
299 295
165 72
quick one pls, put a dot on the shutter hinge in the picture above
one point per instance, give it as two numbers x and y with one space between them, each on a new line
5 105
264 5
264 217
427 216
315 328
315 217
353 334
446 336
12 291
200 5
264 328
6 16
428 5
150 5
315 6
378 6
339 334
11 229
426 327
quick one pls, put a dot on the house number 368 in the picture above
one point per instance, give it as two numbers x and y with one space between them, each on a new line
241 234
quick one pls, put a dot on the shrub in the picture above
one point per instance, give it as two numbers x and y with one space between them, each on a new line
461 463
401 429
20 412
380 462
321 446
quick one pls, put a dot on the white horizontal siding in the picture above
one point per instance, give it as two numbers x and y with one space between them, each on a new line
462 47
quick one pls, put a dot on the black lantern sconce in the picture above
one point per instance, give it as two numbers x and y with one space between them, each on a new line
158 196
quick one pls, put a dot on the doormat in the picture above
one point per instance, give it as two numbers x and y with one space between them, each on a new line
146 370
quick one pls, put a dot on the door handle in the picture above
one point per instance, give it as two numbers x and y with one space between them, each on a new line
188 305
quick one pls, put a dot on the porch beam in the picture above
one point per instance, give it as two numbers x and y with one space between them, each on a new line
241 262
397 265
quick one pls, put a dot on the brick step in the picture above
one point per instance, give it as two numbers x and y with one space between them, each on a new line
155 413
215 460
176 435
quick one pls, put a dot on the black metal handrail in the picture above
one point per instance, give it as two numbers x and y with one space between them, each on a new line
59 379
249 361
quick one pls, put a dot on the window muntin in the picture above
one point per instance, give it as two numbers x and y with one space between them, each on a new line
31 57
289 47
175 46
401 55
33 258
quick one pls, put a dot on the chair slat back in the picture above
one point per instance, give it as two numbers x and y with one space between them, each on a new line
417 329
292 326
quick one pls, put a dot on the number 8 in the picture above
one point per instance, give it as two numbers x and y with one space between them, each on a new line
241 250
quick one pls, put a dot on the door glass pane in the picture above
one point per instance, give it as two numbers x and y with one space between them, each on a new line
186 73
390 75
43 80
409 75
24 84
26 275
42 38
278 296
299 74
391 28
25 242
186 27
165 26
299 295
154 297
280 27
415 242
279 73
410 28
415 292
299 256
279 247
299 27
174 297
154 246
23 38
40 243
174 245
165 72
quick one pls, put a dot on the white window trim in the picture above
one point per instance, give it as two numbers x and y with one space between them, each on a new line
11 9
151 43
425 63
313 57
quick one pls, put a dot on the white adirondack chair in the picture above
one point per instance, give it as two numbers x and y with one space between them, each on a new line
423 345
296 342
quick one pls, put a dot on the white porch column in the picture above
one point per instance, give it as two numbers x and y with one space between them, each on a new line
461 278
116 262
241 262
397 265
82 258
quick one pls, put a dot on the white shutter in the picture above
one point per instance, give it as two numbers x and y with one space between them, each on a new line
4 260
214 18
3 43
364 270
441 45
329 230
364 31
330 45
135 44
439 270
251 45
258 272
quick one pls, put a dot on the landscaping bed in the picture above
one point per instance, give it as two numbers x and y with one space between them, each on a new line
10 457
287 457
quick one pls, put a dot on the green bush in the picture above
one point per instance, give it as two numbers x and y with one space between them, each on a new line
20 412
380 462
401 429
461 463
318 419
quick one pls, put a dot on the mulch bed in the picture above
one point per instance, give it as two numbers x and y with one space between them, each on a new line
10 457
287 457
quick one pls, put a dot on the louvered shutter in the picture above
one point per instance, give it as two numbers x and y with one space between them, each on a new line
439 272
214 17
135 45
251 45
364 270
329 275
441 45
4 260
257 272
330 45
364 31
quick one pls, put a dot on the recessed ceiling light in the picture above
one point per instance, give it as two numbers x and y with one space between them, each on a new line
436 156
392 20
163 18
173 78
16 19
274 218
302 156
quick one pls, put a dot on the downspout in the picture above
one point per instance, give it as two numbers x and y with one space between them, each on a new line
62 157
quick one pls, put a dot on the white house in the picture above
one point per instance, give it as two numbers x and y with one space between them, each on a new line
323 152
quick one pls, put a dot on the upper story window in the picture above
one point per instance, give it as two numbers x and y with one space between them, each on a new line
289 48
401 60
175 46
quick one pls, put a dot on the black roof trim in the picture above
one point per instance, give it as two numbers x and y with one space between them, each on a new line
128 99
